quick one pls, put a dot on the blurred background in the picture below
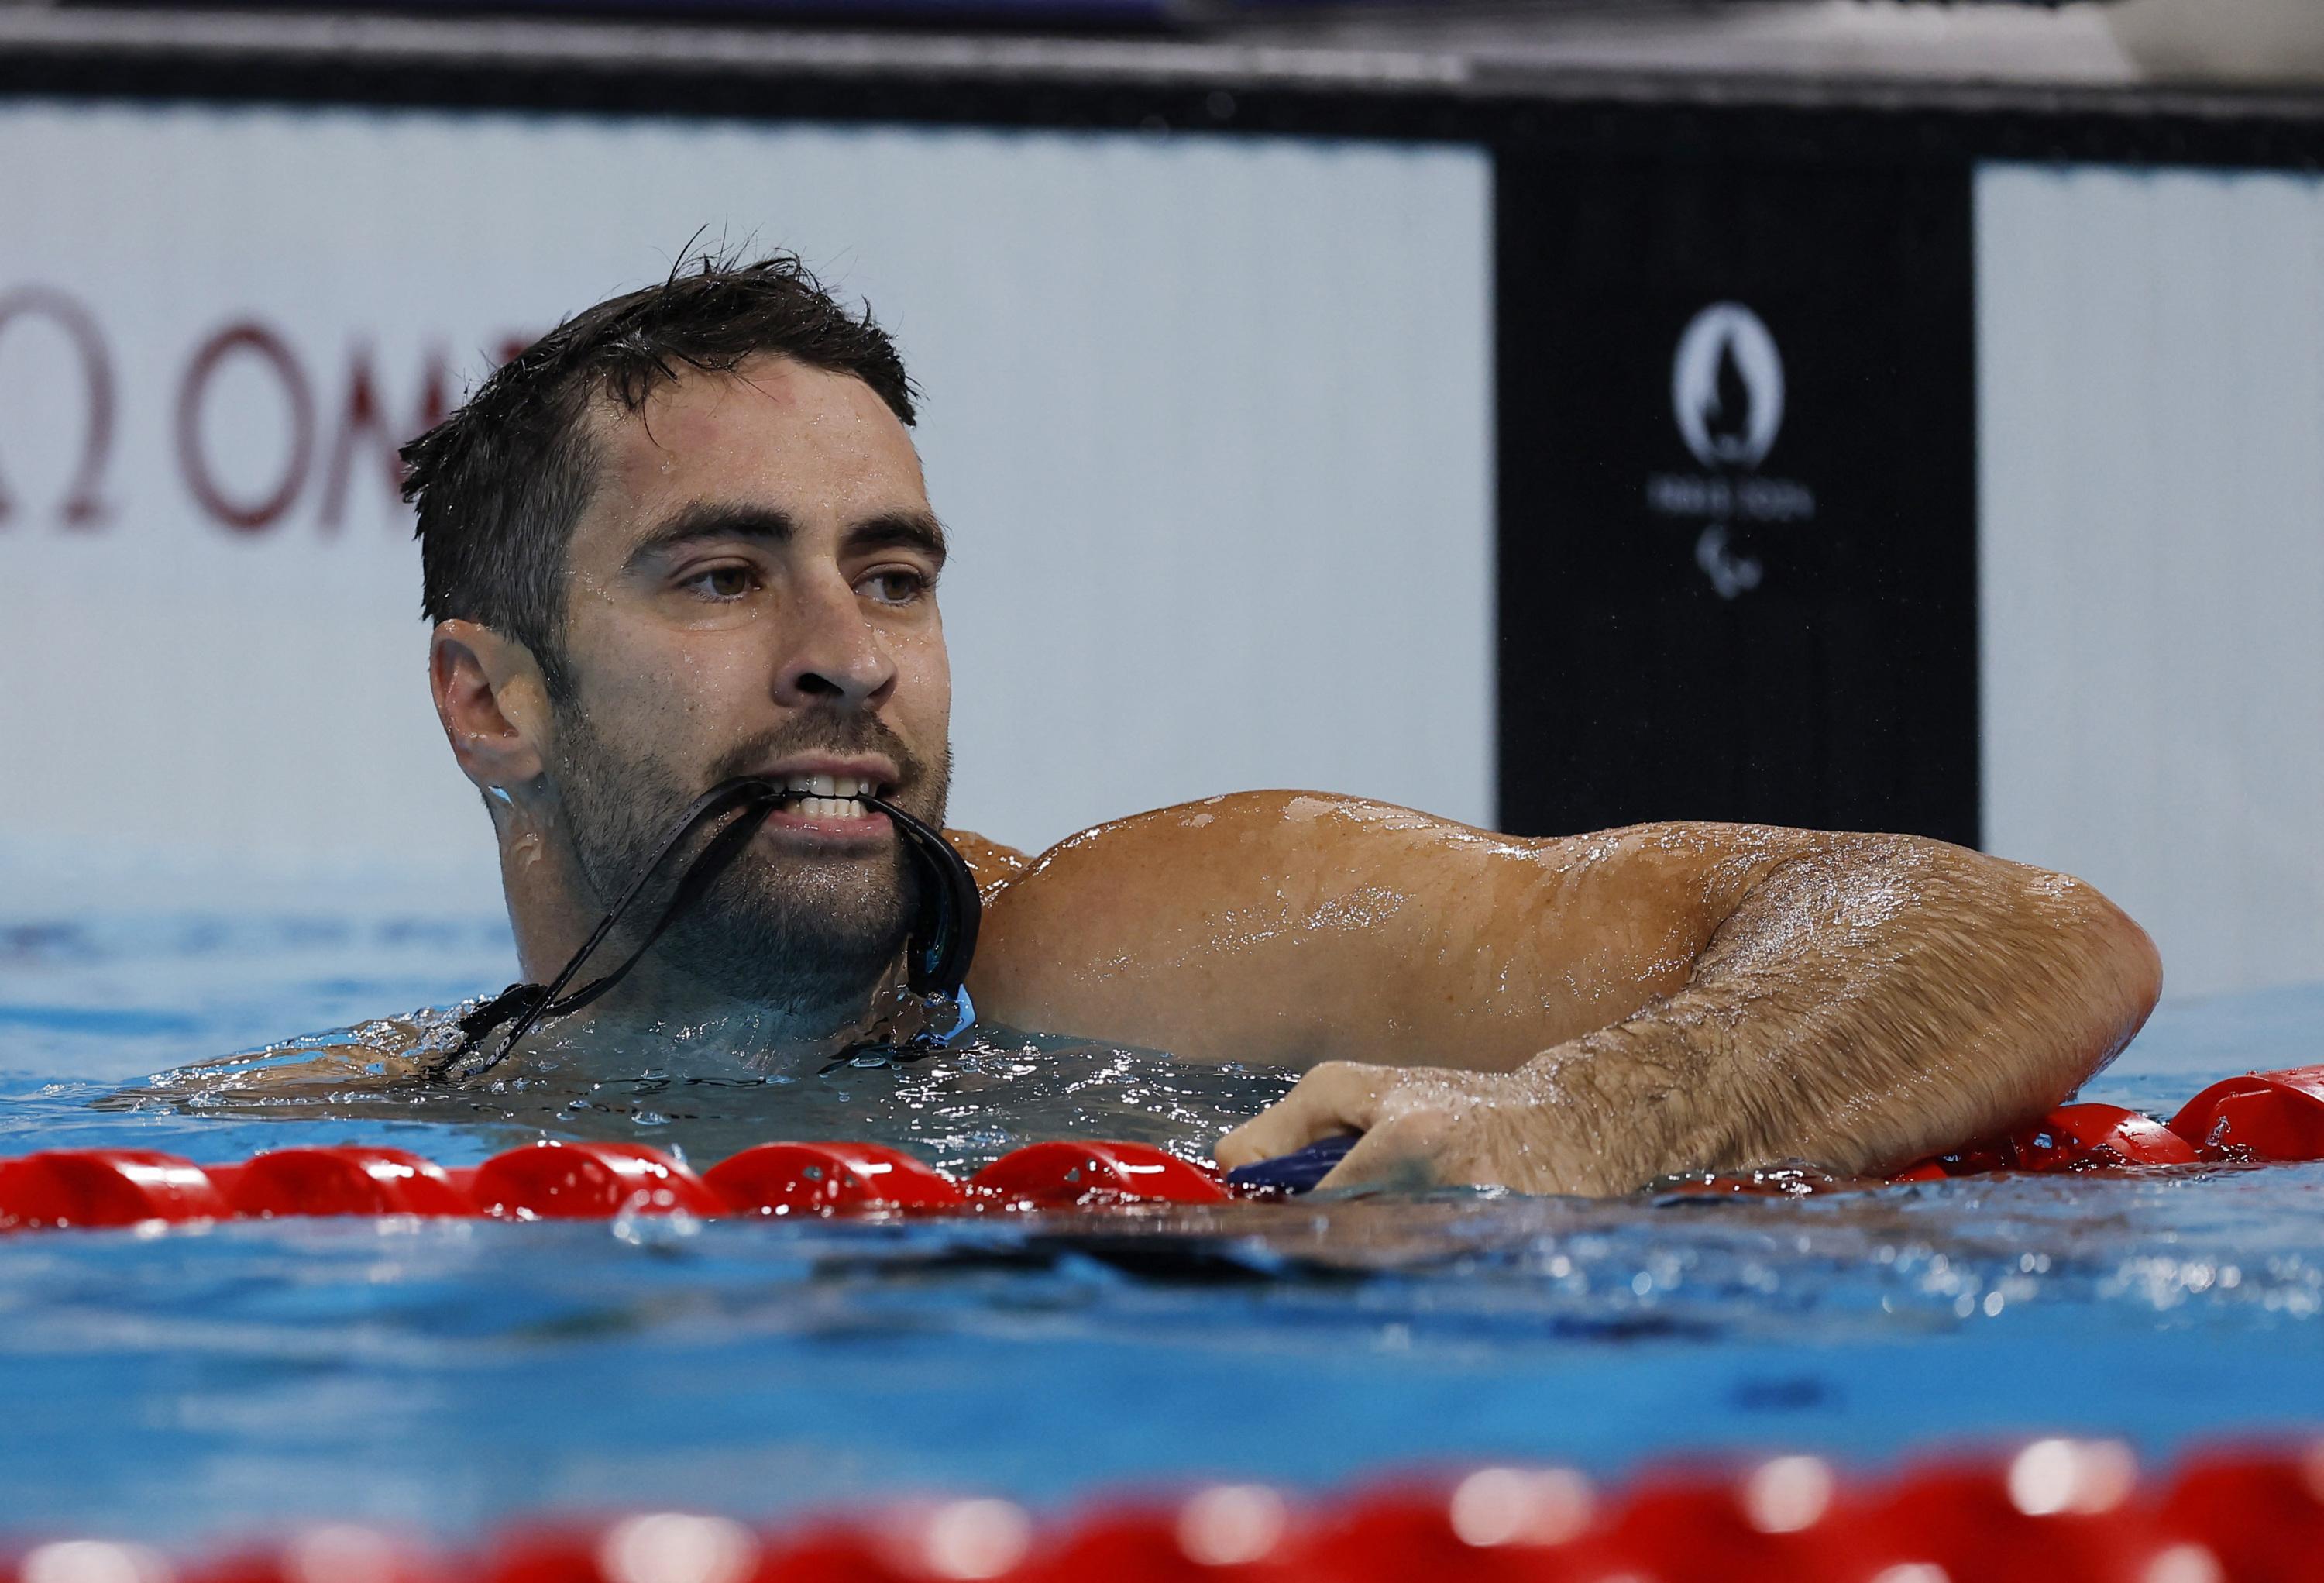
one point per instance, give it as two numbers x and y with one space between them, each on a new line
1845 412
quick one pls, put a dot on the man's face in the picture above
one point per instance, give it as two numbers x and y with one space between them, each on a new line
752 591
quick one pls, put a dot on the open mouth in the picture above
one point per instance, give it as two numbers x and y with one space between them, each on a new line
829 797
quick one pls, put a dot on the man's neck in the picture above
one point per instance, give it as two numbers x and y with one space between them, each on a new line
659 1005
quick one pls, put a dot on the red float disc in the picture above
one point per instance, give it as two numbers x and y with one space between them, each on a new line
830 1178
1069 1175
1229 1533
104 1187
2260 1511
920 1541
1785 1520
336 1552
347 1180
2098 1137
558 1180
2266 1116
2059 1511
1493 1525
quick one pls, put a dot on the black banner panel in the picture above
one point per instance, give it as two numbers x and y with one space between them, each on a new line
1737 512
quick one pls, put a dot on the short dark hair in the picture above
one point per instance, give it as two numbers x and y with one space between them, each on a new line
499 484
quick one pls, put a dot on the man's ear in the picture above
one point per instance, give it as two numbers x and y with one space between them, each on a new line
492 701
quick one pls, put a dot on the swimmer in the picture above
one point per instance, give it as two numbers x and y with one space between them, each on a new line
686 538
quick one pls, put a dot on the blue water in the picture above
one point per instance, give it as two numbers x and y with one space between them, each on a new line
200 1383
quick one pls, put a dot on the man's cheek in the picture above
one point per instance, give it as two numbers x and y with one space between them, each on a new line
930 699
666 698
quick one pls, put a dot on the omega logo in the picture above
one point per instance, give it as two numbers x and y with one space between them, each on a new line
320 429
83 505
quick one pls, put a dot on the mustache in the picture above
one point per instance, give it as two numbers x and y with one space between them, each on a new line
835 734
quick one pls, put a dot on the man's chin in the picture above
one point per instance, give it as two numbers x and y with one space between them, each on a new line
810 924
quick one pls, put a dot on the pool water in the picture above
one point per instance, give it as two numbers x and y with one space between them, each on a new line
445 1376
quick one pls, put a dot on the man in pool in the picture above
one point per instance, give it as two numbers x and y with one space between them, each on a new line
686 537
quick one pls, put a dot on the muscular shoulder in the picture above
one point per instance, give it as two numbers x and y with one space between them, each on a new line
1116 931
994 865
1226 844
1122 928
1294 842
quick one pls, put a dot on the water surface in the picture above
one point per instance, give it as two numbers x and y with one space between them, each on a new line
445 1376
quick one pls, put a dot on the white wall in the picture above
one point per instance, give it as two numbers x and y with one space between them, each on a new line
2150 365
1209 418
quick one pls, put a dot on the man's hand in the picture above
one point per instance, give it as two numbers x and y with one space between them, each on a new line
1426 1128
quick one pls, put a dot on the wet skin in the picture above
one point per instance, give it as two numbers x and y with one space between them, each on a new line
1572 1014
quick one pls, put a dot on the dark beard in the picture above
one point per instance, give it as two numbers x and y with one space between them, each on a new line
809 938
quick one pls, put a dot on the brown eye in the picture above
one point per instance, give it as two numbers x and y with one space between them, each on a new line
899 586
722 582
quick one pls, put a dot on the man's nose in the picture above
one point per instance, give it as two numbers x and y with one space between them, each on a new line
835 656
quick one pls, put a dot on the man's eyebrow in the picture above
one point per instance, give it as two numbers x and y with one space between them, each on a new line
692 523
897 530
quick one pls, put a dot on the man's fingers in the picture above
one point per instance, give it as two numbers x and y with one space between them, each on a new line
1337 1096
1408 1154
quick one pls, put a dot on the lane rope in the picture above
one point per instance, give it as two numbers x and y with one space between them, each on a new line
2259 1117
2050 1511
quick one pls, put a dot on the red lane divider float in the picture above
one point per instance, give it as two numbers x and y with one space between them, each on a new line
104 1187
1068 1175
559 1180
2056 1510
551 1180
337 1181
2264 1116
832 1178
2267 1116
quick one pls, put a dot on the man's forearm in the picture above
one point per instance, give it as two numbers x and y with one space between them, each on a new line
1868 1003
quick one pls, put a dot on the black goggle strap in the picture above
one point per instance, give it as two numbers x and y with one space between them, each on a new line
533 1003
944 936
937 958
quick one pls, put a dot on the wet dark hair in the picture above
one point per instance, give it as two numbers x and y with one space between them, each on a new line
499 484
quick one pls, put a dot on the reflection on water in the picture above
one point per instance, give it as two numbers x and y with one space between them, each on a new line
446 1374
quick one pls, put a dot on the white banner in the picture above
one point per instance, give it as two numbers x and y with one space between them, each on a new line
1209 418
2151 436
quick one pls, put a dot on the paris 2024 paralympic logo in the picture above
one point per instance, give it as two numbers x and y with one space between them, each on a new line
1727 394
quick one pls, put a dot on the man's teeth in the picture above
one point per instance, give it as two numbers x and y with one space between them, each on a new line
829 796
828 807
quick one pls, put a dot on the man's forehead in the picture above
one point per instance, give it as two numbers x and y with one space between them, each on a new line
823 441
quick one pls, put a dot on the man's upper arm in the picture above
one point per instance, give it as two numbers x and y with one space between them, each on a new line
992 863
1298 927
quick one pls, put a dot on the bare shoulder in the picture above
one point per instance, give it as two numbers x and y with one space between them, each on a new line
1113 930
994 865
1231 839
1302 840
